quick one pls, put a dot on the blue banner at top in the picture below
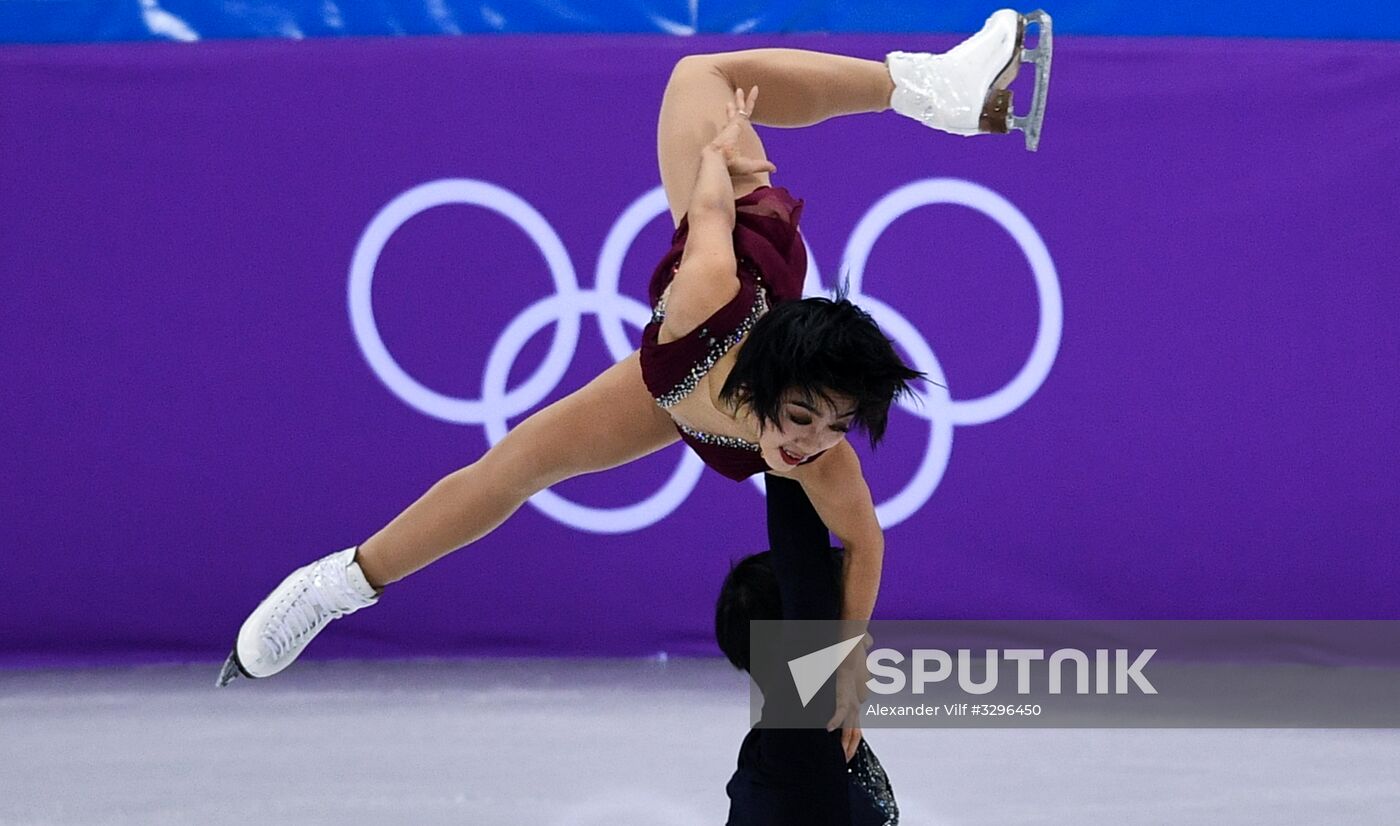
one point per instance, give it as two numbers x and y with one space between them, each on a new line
68 21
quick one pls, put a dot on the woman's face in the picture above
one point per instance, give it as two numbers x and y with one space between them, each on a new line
805 428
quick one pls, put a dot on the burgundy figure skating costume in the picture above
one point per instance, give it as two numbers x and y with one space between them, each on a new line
772 264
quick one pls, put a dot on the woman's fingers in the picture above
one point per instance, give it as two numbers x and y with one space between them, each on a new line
850 741
736 112
743 104
836 719
749 166
847 714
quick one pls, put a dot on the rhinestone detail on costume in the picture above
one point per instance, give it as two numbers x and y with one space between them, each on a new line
718 347
866 770
722 441
658 313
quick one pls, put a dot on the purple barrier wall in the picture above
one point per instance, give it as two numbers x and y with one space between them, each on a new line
1169 337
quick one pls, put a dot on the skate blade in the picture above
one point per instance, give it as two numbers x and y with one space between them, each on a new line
1040 56
231 671
996 109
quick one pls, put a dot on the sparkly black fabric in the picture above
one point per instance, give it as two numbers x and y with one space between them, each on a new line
872 797
800 776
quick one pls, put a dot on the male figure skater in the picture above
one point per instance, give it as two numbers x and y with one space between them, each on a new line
810 777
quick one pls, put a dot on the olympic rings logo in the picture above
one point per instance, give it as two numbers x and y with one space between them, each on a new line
570 302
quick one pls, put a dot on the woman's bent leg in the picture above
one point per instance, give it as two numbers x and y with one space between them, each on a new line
796 88
610 421
800 88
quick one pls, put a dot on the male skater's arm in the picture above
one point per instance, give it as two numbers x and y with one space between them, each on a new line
808 581
810 588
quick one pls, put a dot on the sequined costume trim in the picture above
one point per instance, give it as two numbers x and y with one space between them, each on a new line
658 313
866 770
718 347
723 441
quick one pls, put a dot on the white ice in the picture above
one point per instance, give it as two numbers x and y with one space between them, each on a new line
598 743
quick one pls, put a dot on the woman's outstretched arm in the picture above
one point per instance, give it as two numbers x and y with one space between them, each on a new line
838 491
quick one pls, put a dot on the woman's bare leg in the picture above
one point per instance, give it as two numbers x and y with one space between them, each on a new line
801 88
796 88
610 421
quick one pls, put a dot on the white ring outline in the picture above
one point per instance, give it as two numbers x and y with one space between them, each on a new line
371 245
936 404
1050 326
623 519
569 303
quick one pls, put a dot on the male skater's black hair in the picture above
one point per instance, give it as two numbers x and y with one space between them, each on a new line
819 346
750 592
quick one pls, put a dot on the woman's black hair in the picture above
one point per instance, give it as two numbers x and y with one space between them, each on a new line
750 592
819 347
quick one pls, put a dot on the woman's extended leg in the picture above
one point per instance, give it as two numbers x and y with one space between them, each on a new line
608 422
796 88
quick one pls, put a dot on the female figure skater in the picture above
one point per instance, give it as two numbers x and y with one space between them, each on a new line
789 776
733 363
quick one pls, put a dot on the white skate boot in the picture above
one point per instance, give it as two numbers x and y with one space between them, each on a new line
964 90
295 612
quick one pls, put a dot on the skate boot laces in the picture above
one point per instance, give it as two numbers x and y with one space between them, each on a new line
323 595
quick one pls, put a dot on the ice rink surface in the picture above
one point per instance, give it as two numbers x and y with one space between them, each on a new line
598 743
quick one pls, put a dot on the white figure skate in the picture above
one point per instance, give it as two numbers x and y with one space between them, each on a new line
964 90
295 612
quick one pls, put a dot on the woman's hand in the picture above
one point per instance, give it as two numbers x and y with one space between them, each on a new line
725 144
850 741
851 690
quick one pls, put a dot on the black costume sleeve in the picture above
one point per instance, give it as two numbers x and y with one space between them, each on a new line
792 777
809 580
